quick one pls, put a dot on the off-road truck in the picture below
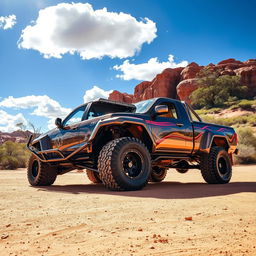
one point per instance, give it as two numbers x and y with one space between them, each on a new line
124 145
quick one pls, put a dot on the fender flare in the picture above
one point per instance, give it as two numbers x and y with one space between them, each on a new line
207 140
121 121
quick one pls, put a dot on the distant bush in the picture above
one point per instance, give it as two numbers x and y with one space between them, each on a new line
246 136
247 146
245 120
13 155
215 90
247 104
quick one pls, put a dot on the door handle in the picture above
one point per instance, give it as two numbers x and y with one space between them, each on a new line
179 125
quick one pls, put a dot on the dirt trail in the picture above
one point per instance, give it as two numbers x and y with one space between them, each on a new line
74 217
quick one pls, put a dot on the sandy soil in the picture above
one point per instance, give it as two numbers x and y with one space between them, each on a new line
74 217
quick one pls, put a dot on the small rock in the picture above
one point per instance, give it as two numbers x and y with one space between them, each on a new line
8 225
189 218
4 236
152 247
140 229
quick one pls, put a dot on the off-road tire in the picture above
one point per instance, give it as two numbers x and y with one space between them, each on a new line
94 177
216 167
158 174
112 160
182 170
39 173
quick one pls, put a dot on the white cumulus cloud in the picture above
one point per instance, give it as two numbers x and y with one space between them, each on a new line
8 123
77 27
43 106
7 22
146 71
95 93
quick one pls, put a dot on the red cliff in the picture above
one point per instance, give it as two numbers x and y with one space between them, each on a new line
181 82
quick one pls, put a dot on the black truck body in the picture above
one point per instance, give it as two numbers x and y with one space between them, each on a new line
173 135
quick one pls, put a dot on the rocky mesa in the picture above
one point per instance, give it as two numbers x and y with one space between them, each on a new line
179 83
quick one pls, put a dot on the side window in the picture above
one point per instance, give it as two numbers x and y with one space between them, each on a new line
193 116
75 117
172 113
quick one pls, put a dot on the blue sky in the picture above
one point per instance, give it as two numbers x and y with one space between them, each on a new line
200 30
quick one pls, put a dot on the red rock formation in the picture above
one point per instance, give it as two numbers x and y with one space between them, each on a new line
164 84
250 62
190 71
228 72
248 78
185 89
16 136
139 90
230 61
181 82
121 97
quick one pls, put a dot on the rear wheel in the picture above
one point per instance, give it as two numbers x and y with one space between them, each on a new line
216 166
39 173
94 177
124 164
158 174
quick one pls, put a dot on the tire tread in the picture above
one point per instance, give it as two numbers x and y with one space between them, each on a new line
109 151
208 166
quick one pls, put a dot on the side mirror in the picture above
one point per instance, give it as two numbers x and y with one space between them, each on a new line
58 122
161 109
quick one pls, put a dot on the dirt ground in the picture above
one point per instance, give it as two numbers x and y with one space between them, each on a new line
74 217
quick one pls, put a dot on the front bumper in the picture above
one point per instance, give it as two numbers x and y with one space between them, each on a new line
45 155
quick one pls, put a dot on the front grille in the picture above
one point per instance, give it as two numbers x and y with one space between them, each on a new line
45 143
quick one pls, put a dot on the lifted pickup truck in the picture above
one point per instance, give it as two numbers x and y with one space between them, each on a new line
124 145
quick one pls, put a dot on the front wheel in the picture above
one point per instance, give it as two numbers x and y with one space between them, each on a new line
216 167
39 173
124 164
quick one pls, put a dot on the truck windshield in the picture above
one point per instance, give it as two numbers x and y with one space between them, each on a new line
143 106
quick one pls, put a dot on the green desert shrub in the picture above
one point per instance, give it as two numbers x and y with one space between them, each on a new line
216 91
13 155
247 104
247 146
245 120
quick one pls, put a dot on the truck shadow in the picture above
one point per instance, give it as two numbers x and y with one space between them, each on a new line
163 190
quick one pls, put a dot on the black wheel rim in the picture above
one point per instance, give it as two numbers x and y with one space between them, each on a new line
223 166
132 164
35 168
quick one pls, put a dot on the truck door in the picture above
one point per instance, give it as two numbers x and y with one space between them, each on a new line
70 136
171 130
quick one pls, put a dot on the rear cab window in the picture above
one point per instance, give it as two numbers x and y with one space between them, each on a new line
192 114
